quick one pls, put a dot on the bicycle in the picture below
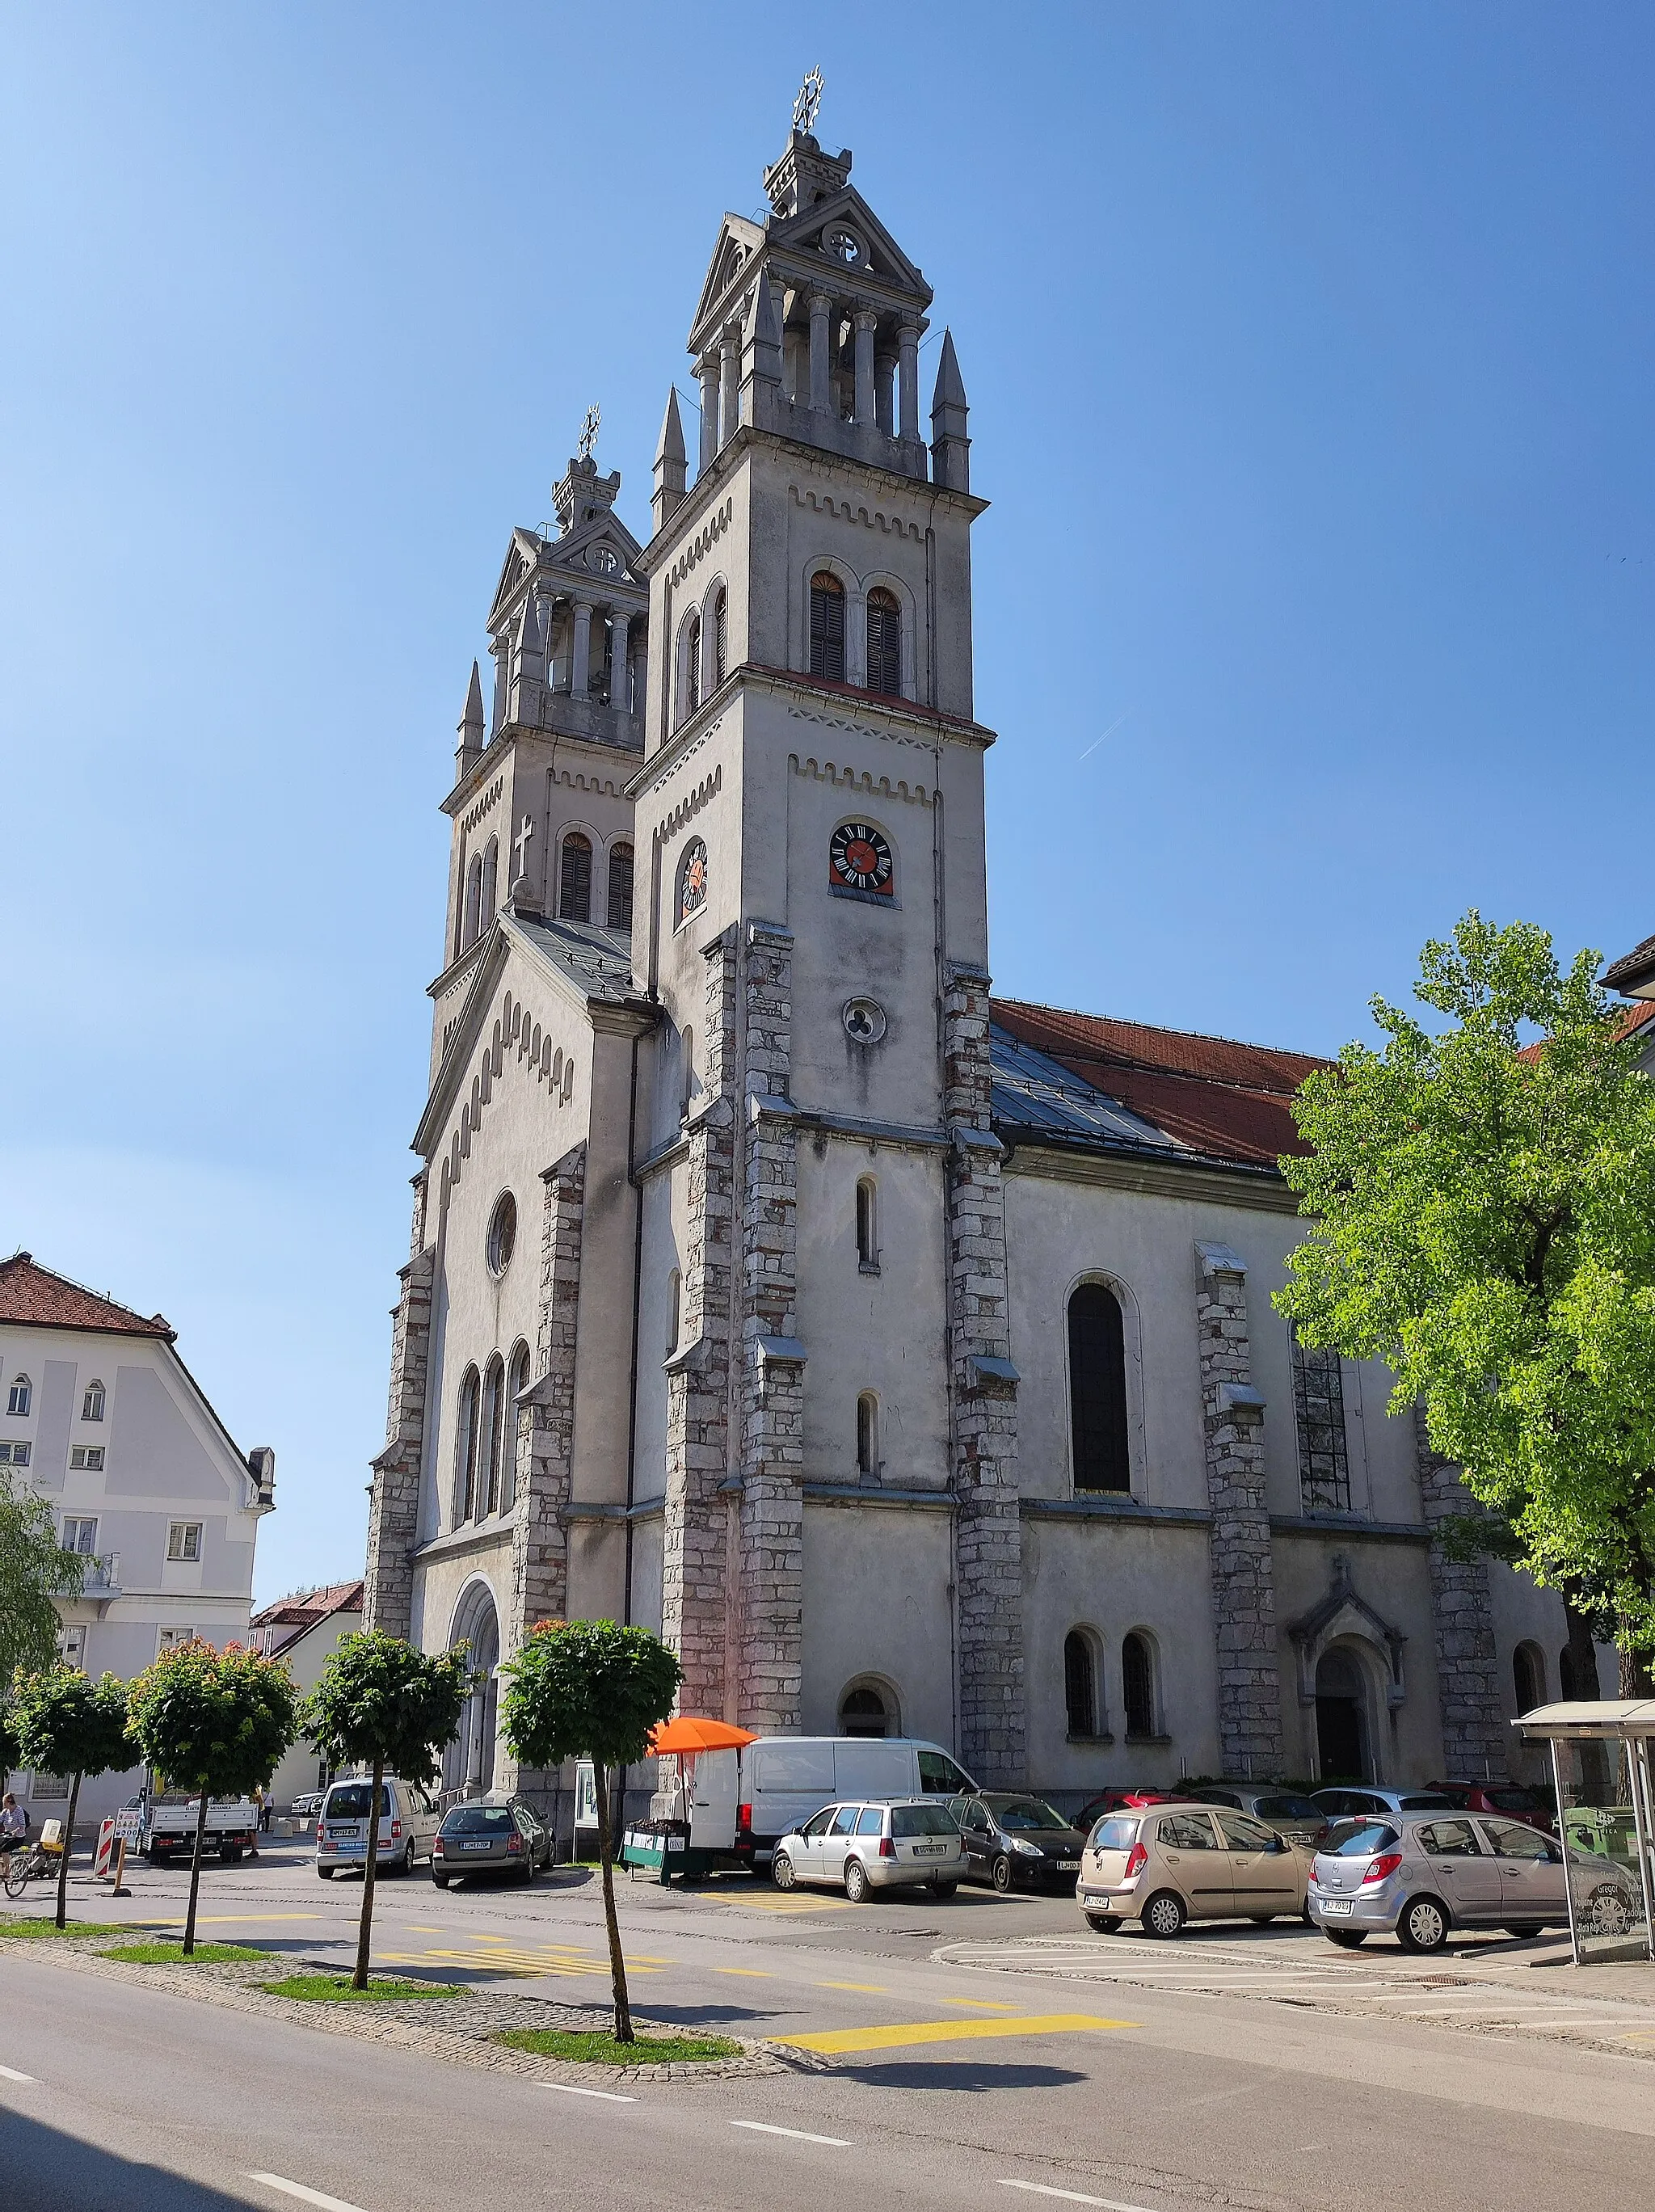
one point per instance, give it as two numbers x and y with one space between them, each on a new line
27 1862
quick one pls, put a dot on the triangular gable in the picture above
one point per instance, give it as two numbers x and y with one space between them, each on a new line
734 232
568 552
803 233
521 556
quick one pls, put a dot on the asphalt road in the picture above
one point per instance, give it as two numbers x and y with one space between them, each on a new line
968 2084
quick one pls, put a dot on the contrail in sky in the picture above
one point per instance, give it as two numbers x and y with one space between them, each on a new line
1109 732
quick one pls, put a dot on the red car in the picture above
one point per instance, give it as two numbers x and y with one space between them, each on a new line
1117 1795
1534 1806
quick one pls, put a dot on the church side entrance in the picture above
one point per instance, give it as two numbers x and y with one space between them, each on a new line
1342 1740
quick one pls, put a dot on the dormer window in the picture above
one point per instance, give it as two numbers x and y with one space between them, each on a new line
828 626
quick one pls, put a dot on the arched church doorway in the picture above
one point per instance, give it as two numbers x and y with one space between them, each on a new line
1342 1749
469 1763
868 1709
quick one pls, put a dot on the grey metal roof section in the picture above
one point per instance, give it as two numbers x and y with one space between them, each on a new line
1033 1093
596 961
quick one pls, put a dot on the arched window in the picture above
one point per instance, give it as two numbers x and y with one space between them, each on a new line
884 643
490 882
92 1405
493 1423
21 1396
619 916
674 1299
574 888
501 1240
867 1224
517 1381
1079 1684
864 1711
692 665
1097 1389
720 638
1528 1676
1137 1685
828 626
465 1446
867 1434
471 918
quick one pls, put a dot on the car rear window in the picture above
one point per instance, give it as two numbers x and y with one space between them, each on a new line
478 1820
1117 1833
1427 1800
1290 1808
1362 1842
350 1801
921 1820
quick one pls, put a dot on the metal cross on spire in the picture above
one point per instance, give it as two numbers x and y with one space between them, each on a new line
805 107
589 427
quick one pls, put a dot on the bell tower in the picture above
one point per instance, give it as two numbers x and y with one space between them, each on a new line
809 823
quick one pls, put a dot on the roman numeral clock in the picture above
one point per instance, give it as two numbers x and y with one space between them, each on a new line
859 859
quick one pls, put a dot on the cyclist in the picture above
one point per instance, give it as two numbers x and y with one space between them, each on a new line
14 1822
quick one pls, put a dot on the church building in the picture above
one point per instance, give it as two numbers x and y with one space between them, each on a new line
903 1355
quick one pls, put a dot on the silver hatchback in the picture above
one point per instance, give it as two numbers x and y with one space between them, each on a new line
1416 1875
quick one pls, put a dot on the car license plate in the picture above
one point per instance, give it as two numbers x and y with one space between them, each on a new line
1334 1905
346 1831
1094 1903
1068 1866
928 1850
474 1847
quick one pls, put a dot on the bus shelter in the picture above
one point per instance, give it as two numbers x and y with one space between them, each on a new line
1607 1846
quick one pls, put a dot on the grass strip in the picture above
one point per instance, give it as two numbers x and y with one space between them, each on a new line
335 1989
35 1930
172 1955
597 2046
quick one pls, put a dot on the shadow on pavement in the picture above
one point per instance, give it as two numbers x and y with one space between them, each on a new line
692 2014
959 2074
50 2172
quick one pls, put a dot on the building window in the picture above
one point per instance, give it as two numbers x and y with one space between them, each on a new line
1079 1684
465 1446
884 643
71 1647
864 1711
21 1395
490 882
720 637
171 1639
92 1405
675 1300
867 1226
517 1381
828 626
1318 1409
494 1422
1528 1677
619 916
867 1434
183 1541
574 889
1137 1685
502 1234
89 1457
692 879
1097 1390
81 1537
48 1789
692 665
14 1454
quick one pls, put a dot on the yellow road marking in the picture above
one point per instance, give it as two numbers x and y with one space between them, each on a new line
867 1989
983 2004
948 2031
517 1964
753 1973
412 1928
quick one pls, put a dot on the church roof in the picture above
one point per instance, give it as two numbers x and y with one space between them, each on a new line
34 1296
1087 1079
596 961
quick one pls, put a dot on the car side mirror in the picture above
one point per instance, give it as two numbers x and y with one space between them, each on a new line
1274 1847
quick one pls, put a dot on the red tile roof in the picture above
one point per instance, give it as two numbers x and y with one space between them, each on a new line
1226 1100
1633 969
295 1615
33 1295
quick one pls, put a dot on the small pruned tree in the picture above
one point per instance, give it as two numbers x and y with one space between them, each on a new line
383 1704
34 1568
215 1722
591 1689
66 1724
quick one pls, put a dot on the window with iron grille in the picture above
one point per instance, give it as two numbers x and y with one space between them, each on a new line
1319 1409
884 644
1097 1390
828 626
1080 1685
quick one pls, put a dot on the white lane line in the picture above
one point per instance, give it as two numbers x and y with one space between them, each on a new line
794 2134
305 2196
11 2073
571 2089
1070 2196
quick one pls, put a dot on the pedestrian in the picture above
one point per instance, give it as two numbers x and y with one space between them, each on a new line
258 1822
265 1808
14 1822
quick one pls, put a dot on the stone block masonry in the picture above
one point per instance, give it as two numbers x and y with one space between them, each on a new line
1243 1570
393 1517
1473 1731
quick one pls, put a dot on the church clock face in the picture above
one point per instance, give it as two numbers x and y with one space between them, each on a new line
692 880
859 859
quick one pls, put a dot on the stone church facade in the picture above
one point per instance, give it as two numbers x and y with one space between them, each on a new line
903 1355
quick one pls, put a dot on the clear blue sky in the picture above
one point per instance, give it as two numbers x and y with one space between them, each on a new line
1309 352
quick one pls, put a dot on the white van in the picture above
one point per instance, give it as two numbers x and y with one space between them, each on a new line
408 1820
785 1779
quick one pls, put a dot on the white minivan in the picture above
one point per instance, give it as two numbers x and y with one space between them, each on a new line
787 1779
408 1820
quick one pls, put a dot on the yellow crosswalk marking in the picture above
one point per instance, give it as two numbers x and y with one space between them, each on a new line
753 1973
866 1989
982 2004
836 2039
519 1964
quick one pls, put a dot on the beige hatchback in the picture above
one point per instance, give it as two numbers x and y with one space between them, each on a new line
1164 1864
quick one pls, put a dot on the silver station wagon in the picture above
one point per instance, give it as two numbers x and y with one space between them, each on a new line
912 1843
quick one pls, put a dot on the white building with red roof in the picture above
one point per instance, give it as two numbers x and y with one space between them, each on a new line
99 1417
304 1628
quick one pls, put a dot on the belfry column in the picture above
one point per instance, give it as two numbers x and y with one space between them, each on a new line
1243 1564
866 323
907 369
694 1578
771 1532
393 1515
729 385
581 655
707 375
983 1393
821 368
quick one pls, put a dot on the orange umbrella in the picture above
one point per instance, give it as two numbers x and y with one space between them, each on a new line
686 1733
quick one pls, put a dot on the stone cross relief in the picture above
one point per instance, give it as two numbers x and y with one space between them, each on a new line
520 848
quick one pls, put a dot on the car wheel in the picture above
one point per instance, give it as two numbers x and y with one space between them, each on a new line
943 1890
1606 1912
407 1865
1102 1924
1533 1928
856 1880
229 1853
1000 1873
1347 1939
781 1871
1423 1924
439 1880
1164 1915
324 1874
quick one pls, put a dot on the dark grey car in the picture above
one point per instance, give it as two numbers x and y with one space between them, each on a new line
1012 1839
502 1837
1292 1815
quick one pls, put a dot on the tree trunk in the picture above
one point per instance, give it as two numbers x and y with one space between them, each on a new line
1637 1679
194 1877
69 1845
617 1964
365 1931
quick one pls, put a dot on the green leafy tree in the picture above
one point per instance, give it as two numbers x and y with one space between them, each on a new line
383 1704
35 1568
590 1689
1485 1197
214 1721
66 1724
